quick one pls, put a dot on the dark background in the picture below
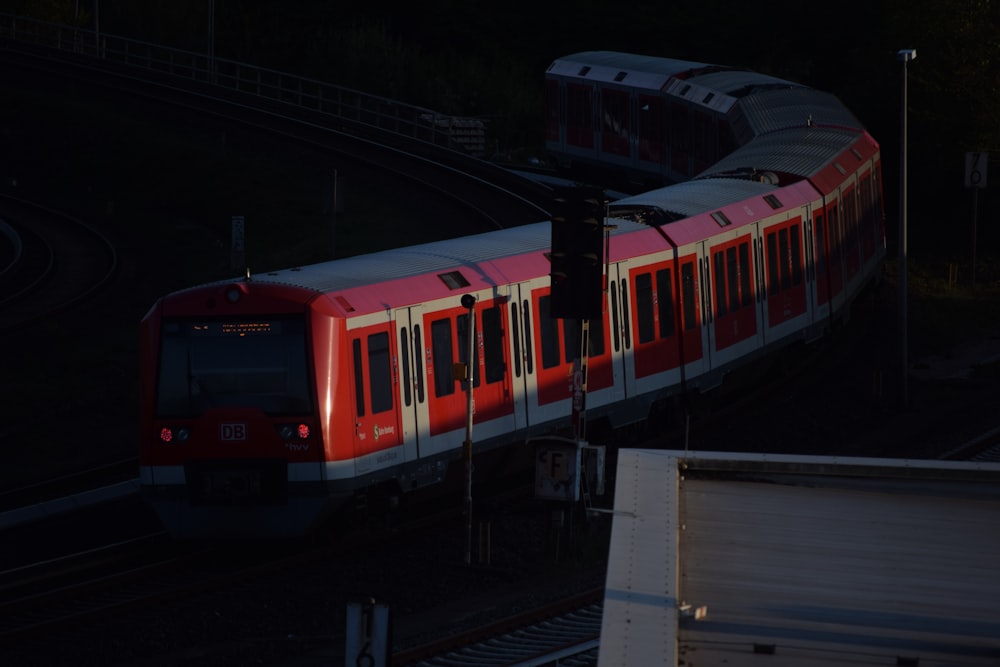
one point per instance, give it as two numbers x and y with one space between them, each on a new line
487 60
163 183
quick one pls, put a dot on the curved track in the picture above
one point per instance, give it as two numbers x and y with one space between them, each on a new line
59 262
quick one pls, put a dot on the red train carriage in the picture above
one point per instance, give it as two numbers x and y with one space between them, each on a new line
268 401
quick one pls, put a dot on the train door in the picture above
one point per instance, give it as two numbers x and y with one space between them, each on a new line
664 319
556 342
408 362
735 328
829 272
377 429
619 328
521 368
447 393
785 279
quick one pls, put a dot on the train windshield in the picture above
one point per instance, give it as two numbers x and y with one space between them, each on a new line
258 362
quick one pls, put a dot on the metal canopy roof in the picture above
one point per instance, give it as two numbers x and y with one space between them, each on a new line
802 561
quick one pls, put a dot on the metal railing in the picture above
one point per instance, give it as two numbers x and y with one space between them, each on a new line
465 134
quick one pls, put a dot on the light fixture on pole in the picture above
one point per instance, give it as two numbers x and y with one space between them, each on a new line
904 56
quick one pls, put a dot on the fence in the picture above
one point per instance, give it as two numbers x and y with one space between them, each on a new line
466 134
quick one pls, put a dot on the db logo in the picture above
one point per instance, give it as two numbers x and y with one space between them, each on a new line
232 431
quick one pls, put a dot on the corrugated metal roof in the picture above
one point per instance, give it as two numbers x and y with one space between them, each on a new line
802 151
808 560
694 197
647 72
738 82
770 110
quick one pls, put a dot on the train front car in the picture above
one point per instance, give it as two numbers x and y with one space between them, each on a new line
231 438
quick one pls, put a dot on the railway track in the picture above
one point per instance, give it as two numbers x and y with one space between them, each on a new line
59 262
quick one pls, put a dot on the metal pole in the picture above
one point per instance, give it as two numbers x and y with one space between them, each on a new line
904 56
469 301
975 223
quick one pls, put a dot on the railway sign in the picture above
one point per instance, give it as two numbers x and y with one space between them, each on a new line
975 169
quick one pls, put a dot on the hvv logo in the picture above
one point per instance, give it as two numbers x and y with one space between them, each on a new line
232 432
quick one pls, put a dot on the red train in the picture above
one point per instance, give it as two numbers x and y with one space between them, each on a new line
267 401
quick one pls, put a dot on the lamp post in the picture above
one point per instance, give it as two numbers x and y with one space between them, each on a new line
469 302
904 56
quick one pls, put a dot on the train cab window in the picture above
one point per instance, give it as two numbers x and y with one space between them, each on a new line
260 362
380 372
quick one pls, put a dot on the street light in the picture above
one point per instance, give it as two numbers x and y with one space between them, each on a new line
904 56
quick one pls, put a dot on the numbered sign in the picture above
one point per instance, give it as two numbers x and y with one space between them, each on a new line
975 169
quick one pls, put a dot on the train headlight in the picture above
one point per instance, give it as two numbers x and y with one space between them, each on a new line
233 294
169 435
290 432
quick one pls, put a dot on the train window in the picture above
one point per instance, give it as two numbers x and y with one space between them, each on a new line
773 280
665 302
259 362
418 357
720 282
444 359
644 307
688 294
463 349
515 338
625 318
404 353
796 257
548 328
579 116
493 344
616 127
614 316
529 364
453 279
380 372
651 129
784 255
733 277
820 250
745 273
359 378
571 339
721 218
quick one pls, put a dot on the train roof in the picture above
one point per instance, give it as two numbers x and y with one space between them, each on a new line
801 152
688 199
777 109
739 82
627 69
